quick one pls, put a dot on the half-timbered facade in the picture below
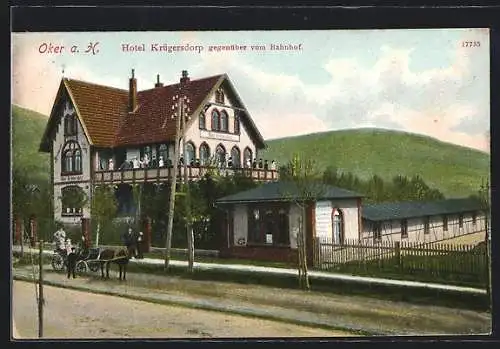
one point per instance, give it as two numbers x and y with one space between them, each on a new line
103 135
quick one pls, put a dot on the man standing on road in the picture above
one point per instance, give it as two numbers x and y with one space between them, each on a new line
72 257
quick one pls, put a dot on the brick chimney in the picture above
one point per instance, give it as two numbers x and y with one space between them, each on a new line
158 83
132 93
185 77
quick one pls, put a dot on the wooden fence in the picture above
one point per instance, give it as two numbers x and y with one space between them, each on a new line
438 259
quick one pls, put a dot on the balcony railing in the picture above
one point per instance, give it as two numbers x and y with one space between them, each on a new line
165 174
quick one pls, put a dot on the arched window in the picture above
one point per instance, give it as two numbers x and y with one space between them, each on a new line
189 154
337 226
71 158
235 157
202 121
220 152
224 121
215 120
247 157
237 124
204 154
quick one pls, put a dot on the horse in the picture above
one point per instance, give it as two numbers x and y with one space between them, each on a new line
120 257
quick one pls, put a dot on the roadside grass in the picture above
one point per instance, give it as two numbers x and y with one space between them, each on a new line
394 293
158 254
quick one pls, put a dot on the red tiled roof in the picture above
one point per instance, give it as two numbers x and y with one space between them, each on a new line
104 111
152 122
101 109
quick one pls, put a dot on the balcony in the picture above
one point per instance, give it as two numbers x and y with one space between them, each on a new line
165 174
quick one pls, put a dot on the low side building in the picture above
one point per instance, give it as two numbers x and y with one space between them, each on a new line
263 223
418 221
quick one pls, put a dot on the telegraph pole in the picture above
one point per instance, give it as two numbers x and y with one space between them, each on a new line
189 229
40 291
173 185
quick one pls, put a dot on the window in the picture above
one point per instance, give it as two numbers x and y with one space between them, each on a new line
147 151
235 157
220 155
70 125
474 218
254 235
236 124
71 159
215 120
247 157
268 225
404 228
72 200
377 232
202 121
337 226
204 154
190 154
445 223
219 96
163 152
426 225
461 221
224 121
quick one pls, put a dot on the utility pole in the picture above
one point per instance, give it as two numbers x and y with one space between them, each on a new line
173 184
40 291
189 227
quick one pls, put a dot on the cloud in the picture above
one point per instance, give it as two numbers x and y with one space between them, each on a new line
273 126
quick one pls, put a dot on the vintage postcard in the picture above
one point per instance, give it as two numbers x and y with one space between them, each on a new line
251 184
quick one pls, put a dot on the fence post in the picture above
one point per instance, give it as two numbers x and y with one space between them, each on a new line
397 251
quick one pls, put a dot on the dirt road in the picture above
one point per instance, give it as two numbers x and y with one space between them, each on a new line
75 314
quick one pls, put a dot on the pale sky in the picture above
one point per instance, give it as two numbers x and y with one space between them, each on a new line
422 81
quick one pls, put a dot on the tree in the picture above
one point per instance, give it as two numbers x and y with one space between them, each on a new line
103 206
306 188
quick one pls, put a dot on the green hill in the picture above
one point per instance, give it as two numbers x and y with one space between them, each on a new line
27 131
454 170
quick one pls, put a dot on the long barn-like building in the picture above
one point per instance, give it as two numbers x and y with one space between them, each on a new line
104 135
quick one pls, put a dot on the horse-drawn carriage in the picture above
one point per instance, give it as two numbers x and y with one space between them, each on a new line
86 260
92 259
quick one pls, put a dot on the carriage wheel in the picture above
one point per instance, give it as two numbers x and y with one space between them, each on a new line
94 267
81 267
57 262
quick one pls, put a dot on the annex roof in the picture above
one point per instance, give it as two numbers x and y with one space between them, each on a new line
413 209
286 191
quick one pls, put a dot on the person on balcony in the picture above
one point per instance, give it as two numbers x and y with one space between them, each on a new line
154 163
254 163
248 163
145 161
273 165
111 165
136 163
266 165
181 160
160 162
261 164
